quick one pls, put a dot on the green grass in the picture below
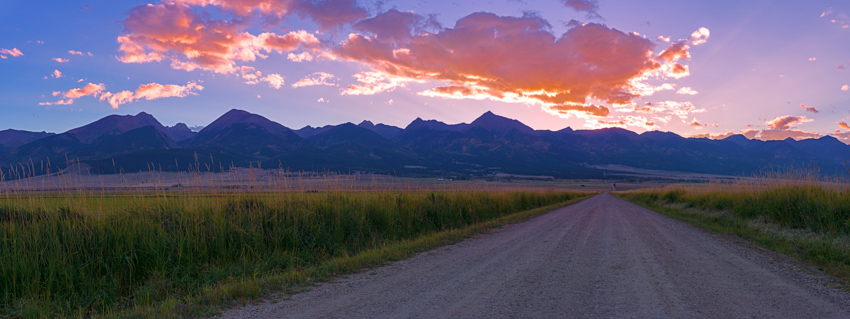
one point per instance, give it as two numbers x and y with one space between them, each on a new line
184 256
809 221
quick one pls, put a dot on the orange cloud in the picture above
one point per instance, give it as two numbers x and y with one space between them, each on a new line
786 122
151 91
525 63
844 125
811 109
318 78
90 89
14 52
695 123
327 14
175 32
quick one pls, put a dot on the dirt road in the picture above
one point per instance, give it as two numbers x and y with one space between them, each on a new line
600 258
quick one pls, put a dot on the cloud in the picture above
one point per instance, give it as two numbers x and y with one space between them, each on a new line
842 68
786 122
844 125
60 102
622 122
700 36
811 109
90 89
318 78
687 90
14 52
274 80
328 14
72 52
695 123
60 60
322 100
589 6
56 74
189 40
845 87
151 91
714 136
525 63
813 59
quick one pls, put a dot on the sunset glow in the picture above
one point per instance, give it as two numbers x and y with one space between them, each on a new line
696 69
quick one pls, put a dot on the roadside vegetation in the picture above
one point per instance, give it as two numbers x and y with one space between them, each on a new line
166 253
795 212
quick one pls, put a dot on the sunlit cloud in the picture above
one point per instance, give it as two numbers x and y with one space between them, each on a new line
696 124
842 68
700 36
274 80
151 91
687 91
56 74
813 59
622 122
175 32
787 122
810 109
845 87
844 125
90 89
525 63
318 78
60 60
14 52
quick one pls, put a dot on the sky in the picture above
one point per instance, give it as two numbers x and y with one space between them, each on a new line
765 69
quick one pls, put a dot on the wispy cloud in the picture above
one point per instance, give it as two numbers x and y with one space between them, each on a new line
318 78
14 52
60 60
810 109
151 91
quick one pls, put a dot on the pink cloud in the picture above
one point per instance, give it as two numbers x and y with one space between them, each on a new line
687 90
60 60
328 14
189 40
318 78
695 123
90 89
72 52
274 80
786 122
151 91
525 62
14 52
810 109
700 36
57 74
842 68
845 87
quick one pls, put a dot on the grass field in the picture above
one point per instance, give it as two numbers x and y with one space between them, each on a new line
158 253
797 213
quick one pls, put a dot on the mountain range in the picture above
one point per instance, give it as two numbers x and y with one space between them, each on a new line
488 145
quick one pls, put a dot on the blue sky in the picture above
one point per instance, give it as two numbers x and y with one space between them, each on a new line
767 69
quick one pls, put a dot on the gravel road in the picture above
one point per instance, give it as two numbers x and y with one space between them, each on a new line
600 258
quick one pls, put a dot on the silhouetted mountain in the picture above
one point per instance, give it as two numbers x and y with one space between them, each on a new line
436 125
495 123
115 125
248 134
490 144
181 132
11 139
308 130
387 131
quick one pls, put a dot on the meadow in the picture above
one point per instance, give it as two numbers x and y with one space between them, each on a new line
185 252
797 212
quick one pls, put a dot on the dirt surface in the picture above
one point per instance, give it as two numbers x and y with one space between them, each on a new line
600 258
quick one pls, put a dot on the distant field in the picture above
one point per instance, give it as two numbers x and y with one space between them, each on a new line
798 213
155 249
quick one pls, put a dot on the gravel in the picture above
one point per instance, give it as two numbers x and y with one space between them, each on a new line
600 258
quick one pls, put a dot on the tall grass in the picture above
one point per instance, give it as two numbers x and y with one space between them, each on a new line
83 254
797 212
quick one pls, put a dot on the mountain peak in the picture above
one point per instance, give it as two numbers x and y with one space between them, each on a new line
114 125
366 124
496 123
